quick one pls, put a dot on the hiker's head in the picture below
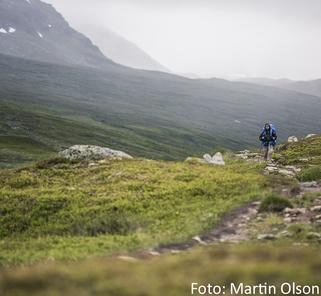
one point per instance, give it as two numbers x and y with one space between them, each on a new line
267 126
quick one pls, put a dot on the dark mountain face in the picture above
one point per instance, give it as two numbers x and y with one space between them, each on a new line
35 30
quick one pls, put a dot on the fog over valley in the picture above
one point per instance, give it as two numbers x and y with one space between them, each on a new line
212 38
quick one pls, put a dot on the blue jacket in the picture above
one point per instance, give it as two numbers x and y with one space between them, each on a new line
268 137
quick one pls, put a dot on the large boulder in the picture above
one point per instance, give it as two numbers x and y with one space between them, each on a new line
216 159
89 152
292 139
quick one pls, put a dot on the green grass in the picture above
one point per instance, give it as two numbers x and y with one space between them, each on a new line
169 275
275 203
16 150
65 210
311 174
305 152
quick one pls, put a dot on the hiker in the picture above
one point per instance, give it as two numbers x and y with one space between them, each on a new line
268 139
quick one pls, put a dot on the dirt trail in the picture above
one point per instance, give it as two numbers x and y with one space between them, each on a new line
232 228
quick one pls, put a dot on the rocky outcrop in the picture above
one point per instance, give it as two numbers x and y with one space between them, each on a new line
88 152
216 159
310 136
293 139
288 171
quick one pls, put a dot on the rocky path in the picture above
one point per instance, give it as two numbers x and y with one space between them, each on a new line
234 226
231 228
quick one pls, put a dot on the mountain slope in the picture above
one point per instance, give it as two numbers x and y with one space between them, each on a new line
311 87
35 30
121 50
144 113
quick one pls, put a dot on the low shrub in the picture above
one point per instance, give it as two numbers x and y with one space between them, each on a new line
275 203
310 174
51 162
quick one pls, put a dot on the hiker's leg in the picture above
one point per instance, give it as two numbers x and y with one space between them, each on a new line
265 152
270 152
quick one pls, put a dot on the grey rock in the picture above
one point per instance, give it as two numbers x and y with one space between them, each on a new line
88 152
288 220
316 209
216 159
292 139
294 212
285 233
312 184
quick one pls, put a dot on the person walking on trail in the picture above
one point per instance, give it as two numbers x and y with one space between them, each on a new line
268 138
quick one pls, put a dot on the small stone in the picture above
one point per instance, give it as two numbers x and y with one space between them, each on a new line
271 169
285 233
266 237
294 212
316 209
199 240
256 203
287 220
312 184
286 173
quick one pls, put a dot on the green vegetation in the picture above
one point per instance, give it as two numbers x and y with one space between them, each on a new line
146 114
21 150
63 210
305 152
274 203
311 174
170 275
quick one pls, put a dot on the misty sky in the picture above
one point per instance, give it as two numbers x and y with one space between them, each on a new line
221 38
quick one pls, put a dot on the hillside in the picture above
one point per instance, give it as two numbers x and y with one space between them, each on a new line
58 212
311 87
96 208
35 30
162 116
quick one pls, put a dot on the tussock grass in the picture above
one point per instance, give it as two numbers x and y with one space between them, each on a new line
275 203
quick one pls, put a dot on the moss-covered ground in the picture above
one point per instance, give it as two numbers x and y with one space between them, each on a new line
59 210
64 224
